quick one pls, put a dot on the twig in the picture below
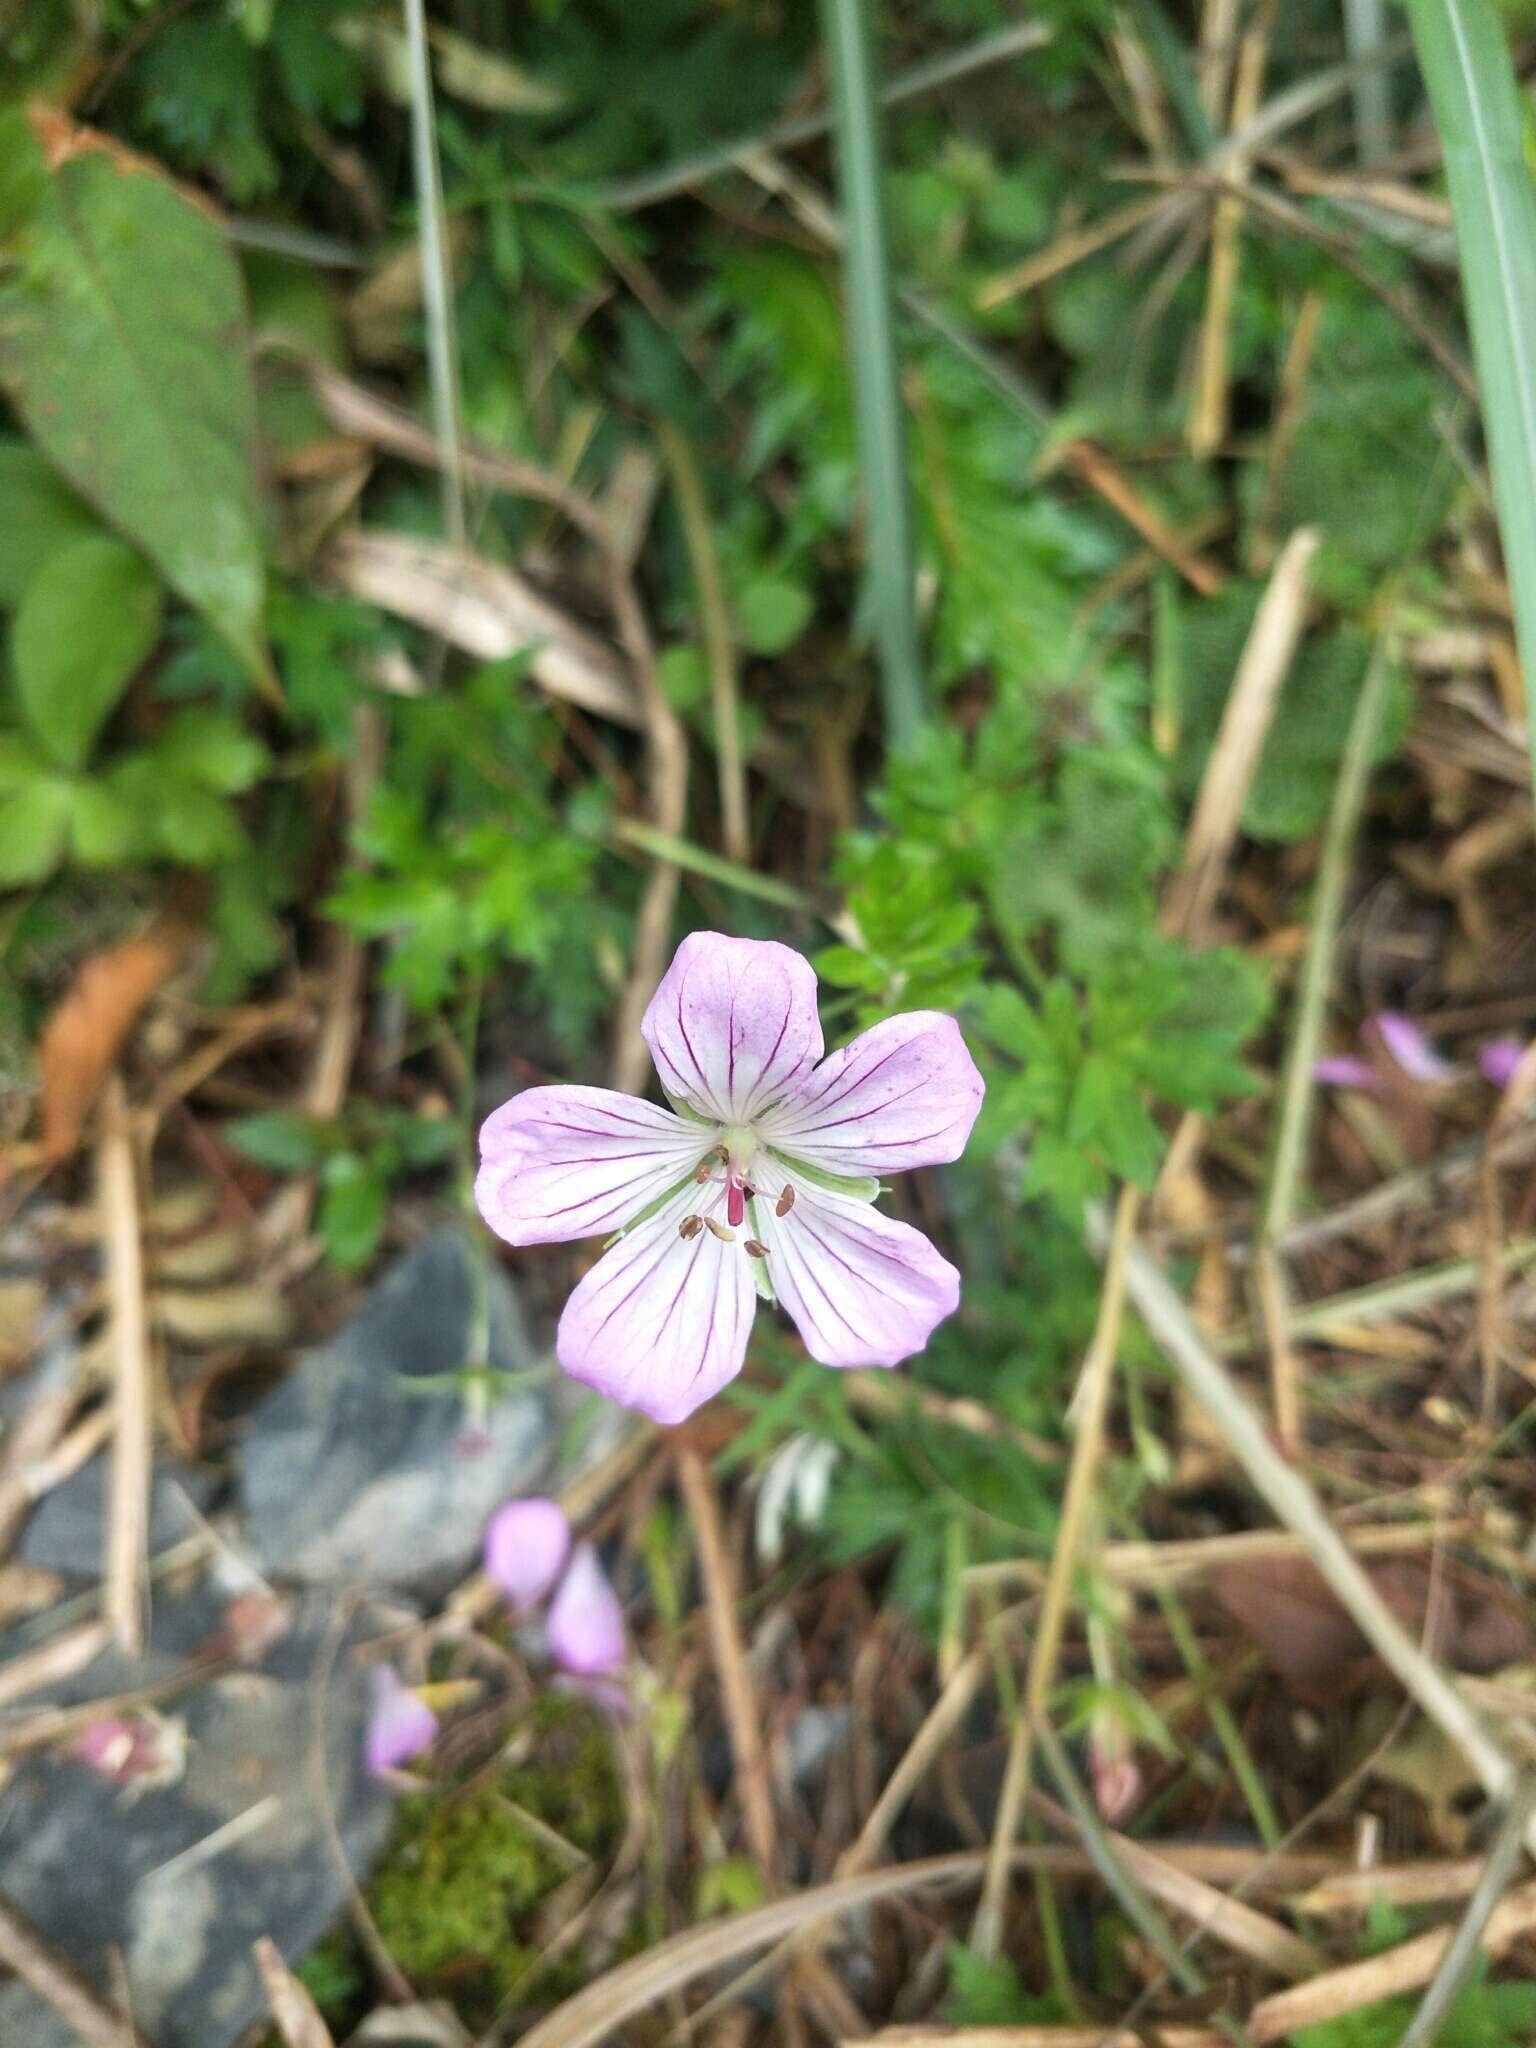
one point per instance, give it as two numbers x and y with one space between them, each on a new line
715 623
1250 709
1297 1088
741 1715
1241 1927
1090 1408
1399 1969
1462 1956
58 1658
1138 1909
1211 398
127 1533
56 1983
294 2012
1293 1500
629 194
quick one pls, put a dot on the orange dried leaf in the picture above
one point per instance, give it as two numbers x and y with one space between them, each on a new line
87 1029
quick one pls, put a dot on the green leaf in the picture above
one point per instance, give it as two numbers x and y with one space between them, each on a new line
352 1211
39 514
86 621
33 827
1464 54
773 611
102 828
278 1141
123 349
211 749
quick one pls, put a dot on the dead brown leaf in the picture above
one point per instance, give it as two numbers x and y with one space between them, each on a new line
87 1029
1284 1605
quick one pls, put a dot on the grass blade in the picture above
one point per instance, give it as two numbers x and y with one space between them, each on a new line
876 377
1471 80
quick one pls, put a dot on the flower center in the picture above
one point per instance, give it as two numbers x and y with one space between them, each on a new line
738 1142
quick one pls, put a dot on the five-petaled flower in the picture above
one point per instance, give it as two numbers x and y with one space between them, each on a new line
759 1180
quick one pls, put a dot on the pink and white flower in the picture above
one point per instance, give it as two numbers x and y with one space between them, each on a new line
760 1180
401 1726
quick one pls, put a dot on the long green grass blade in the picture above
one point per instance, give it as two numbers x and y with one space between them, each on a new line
1466 65
876 375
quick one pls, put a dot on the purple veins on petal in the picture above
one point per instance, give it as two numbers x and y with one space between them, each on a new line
400 1726
526 1546
1499 1060
586 1623
1411 1048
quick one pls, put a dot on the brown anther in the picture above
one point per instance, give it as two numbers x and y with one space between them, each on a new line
690 1226
754 1250
703 1173
719 1230
786 1201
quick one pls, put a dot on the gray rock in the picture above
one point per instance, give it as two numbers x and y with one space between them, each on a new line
183 1880
66 1531
349 1475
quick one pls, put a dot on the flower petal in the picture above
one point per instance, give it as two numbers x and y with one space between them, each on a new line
526 1545
861 1288
903 1094
733 1025
1500 1059
558 1163
585 1629
661 1321
400 1726
1345 1070
1409 1046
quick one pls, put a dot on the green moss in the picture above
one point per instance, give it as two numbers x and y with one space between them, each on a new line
455 1897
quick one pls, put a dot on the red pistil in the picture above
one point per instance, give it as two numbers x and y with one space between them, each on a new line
735 1202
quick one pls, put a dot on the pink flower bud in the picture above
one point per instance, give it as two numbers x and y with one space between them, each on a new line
1500 1059
526 1545
139 1751
1344 1070
1411 1049
400 1726
586 1622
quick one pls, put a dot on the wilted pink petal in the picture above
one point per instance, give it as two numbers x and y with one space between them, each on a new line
400 1726
1116 1779
1344 1070
139 1751
726 1200
1410 1048
526 1545
586 1623
254 1623
1500 1059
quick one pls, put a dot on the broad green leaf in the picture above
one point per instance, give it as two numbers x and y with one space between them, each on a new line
352 1211
39 514
85 622
123 349
33 827
774 611
280 1142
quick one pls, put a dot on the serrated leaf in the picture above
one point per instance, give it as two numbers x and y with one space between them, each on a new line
123 349
39 514
85 622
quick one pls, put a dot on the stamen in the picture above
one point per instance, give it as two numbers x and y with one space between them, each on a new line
703 1173
786 1201
754 1250
719 1230
690 1226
